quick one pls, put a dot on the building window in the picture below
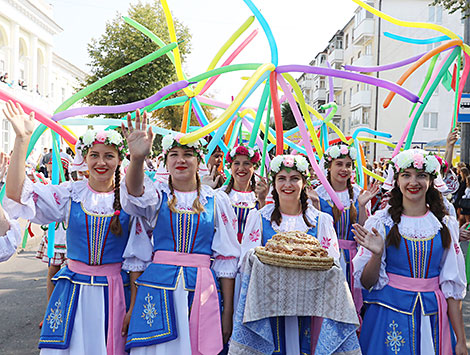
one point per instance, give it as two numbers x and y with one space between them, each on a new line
369 49
52 89
322 84
350 94
346 42
430 120
339 43
435 14
344 98
358 54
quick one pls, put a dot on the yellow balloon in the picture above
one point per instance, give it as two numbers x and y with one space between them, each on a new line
374 175
176 51
204 131
223 49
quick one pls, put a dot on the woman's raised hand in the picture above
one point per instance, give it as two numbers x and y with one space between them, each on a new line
22 123
371 241
139 139
367 195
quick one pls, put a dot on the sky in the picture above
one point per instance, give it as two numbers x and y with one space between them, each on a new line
301 28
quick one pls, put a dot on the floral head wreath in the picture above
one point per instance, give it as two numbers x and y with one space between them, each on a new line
339 152
290 162
92 137
172 140
251 153
418 159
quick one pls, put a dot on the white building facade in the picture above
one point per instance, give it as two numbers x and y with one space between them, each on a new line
27 30
362 43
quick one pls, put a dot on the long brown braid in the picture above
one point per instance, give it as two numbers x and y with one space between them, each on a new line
276 216
433 200
197 206
352 208
115 224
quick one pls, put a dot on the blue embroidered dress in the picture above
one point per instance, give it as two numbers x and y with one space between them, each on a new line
406 322
77 300
344 226
291 334
160 319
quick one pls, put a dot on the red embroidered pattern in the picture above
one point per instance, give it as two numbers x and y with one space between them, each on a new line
254 236
325 242
457 248
56 198
224 218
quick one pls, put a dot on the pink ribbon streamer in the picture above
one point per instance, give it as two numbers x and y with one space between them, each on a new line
115 342
205 312
428 285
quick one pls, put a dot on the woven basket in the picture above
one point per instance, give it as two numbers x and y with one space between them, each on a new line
294 261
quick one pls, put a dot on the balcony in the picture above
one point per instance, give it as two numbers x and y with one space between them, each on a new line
319 94
337 55
337 84
361 98
364 61
306 84
364 31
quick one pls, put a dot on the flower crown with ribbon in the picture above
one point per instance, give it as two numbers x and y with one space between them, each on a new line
91 137
290 162
339 151
251 153
172 140
418 159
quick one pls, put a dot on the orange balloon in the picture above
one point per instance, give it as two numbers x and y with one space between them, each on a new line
421 61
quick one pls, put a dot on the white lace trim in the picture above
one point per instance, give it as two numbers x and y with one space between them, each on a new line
290 223
134 264
412 227
226 268
342 195
94 202
186 199
242 199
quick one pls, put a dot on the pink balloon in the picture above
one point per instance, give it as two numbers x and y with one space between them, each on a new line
230 59
306 141
41 116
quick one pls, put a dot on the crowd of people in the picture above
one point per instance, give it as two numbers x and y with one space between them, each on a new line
149 262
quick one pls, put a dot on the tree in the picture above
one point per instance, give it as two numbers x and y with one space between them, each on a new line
454 5
121 45
288 119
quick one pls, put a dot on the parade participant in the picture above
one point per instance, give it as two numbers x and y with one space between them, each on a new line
289 212
10 236
339 165
191 223
87 307
243 190
412 265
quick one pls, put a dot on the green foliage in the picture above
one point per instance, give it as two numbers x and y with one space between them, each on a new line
453 5
121 45
288 119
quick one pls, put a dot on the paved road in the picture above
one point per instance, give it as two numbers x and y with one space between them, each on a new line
23 302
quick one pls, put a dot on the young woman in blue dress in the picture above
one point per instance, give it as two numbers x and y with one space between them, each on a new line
411 263
175 309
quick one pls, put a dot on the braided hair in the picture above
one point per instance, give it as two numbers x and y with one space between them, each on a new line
197 205
352 207
433 200
115 224
231 182
276 216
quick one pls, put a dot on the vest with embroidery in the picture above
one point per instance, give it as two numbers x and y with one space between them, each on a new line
416 258
344 225
89 237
